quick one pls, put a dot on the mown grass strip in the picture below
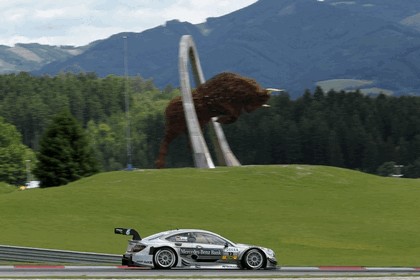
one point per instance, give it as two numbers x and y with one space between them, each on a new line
310 215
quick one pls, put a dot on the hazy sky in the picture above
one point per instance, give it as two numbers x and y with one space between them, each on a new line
79 22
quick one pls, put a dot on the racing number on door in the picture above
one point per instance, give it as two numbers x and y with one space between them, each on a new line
231 254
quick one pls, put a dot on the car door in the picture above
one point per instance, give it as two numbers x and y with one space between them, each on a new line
202 248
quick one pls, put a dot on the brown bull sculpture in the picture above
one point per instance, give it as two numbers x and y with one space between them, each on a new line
224 96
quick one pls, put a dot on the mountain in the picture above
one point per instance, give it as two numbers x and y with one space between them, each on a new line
29 57
292 44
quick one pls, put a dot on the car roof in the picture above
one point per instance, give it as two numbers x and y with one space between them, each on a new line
167 233
174 231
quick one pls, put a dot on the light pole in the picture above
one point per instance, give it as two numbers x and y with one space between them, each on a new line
127 107
28 171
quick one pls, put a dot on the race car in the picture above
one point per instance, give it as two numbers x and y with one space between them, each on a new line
193 248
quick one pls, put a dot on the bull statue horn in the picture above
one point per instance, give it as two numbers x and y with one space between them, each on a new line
270 90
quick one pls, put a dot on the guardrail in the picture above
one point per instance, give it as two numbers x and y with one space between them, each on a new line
38 255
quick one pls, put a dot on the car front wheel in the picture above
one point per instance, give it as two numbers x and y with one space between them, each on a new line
254 259
164 258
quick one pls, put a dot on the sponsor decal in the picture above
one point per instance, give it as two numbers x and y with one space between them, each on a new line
232 249
229 266
201 252
225 258
181 238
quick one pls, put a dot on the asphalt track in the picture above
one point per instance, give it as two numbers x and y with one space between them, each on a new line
22 271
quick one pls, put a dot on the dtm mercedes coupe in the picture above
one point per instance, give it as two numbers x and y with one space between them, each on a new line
193 248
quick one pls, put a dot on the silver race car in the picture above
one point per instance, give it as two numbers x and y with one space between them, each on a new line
193 248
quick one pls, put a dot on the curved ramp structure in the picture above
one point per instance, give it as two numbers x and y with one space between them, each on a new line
202 157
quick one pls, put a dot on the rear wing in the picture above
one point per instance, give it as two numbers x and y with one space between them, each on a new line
128 231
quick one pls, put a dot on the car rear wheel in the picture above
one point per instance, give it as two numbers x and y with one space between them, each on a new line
164 258
254 259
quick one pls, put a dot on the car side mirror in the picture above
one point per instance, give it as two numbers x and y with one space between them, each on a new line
226 245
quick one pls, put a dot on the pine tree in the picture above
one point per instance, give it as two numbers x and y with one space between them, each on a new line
65 154
13 155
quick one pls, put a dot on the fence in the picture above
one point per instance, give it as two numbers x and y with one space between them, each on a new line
37 255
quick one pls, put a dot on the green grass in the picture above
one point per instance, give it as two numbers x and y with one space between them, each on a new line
5 188
341 84
310 215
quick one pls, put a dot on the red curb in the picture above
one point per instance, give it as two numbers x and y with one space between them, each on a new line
341 268
39 266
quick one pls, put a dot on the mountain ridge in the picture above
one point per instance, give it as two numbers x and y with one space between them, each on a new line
31 56
292 44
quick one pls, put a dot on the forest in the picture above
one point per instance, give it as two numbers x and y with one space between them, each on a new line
344 129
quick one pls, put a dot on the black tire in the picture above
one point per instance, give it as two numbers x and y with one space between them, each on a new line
254 259
164 258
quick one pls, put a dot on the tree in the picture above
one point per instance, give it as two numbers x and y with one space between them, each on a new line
386 169
335 153
109 149
412 170
65 153
13 155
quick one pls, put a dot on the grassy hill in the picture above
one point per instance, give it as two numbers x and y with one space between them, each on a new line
6 188
310 215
